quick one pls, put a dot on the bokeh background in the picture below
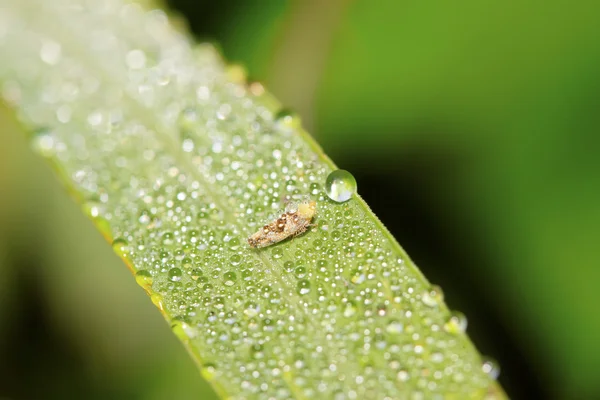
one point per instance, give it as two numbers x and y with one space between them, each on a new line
473 131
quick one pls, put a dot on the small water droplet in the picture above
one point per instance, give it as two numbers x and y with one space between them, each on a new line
490 367
144 217
168 238
175 274
457 323
235 259
208 371
288 266
437 357
178 328
237 73
50 52
287 119
121 247
402 375
303 287
277 252
340 185
157 300
229 278
350 309
252 309
394 327
43 142
257 352
135 59
433 296
300 271
144 279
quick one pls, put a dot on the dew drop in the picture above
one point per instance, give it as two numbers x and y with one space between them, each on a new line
252 309
394 327
229 278
208 371
168 238
340 185
303 287
50 52
277 252
179 330
257 352
235 259
144 217
300 271
175 274
457 323
490 367
436 357
288 266
121 247
43 142
187 263
157 300
92 209
402 375
144 279
286 118
433 296
350 309
136 59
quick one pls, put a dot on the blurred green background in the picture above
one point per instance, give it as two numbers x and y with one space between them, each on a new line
473 131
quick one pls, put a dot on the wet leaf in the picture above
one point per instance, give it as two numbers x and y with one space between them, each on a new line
178 161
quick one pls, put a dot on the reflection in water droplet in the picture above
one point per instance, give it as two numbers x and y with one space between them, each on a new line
457 323
340 185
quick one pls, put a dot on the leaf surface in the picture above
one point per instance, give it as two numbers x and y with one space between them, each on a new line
177 161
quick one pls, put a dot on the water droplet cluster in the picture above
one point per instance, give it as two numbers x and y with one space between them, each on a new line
179 164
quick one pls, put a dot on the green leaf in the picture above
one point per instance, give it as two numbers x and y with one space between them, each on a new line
177 161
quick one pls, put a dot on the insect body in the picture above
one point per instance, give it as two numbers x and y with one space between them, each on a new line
292 223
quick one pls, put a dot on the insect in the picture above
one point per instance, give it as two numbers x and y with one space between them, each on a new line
291 223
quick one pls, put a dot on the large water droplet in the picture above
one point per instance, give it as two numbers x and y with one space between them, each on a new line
340 185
